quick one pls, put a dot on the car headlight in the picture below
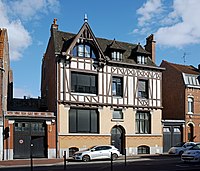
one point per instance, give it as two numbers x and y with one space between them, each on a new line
78 154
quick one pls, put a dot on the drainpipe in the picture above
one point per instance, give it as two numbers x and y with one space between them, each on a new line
2 106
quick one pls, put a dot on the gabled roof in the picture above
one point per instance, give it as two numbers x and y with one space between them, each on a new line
187 69
140 50
115 45
65 41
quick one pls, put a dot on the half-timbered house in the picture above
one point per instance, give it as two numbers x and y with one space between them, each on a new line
103 92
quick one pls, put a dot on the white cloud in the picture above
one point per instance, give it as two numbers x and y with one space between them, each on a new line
33 9
13 12
187 30
174 26
148 11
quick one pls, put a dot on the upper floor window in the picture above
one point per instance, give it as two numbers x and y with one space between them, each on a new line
143 122
117 56
190 105
117 86
143 89
84 83
84 50
141 59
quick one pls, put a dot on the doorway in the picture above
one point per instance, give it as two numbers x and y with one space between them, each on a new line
118 138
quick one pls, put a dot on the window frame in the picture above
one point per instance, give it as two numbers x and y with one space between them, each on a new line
143 93
143 122
190 103
141 59
91 88
117 86
75 121
84 50
143 149
116 55
121 115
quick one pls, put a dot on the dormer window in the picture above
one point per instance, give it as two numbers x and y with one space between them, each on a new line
141 59
116 55
84 50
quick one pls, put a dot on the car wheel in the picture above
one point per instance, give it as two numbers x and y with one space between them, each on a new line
86 158
114 156
180 153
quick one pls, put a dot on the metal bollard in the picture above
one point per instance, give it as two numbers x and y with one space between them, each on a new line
65 160
125 157
111 159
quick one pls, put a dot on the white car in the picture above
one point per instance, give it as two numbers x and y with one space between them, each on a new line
97 152
179 148
192 155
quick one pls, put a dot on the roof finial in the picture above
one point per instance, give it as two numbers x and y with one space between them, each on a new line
85 18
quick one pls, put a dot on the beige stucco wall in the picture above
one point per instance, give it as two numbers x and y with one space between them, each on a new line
106 121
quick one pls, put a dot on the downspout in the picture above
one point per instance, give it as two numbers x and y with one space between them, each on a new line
2 105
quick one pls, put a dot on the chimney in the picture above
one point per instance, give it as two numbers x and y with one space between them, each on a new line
54 26
199 67
151 46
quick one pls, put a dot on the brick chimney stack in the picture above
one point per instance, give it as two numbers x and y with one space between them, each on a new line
151 46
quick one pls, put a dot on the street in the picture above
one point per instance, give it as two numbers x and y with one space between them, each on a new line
160 163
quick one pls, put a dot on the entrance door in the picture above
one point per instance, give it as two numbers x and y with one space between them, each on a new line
38 146
29 138
118 138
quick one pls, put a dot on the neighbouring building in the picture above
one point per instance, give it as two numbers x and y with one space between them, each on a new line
102 92
5 80
26 128
181 104
29 130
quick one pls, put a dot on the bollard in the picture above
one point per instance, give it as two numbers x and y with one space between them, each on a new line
125 157
65 160
31 156
111 159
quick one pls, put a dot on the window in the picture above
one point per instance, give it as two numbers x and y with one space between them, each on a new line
143 122
117 114
143 89
143 150
117 86
141 60
84 50
190 105
83 121
117 56
84 83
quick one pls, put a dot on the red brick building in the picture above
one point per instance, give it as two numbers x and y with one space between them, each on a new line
25 126
181 103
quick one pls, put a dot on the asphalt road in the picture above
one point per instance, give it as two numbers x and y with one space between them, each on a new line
159 163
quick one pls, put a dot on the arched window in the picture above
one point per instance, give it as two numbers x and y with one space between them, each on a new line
190 105
143 149
84 50
72 150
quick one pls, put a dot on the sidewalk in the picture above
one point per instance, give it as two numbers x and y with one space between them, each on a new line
60 161
27 162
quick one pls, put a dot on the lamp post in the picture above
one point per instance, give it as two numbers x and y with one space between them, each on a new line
2 117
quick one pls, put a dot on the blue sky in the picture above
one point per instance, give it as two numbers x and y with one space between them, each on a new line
175 24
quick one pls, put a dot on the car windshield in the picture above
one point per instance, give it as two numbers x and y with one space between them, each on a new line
180 144
91 148
196 147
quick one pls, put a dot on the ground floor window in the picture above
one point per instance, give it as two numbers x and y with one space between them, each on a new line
143 122
83 121
143 150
